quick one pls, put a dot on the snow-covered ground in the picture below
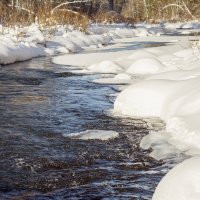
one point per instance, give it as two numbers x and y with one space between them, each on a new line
23 43
182 182
159 82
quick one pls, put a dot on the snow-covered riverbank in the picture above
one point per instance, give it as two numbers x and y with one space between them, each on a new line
160 82
23 43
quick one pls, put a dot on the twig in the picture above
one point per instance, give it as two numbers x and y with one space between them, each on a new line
67 3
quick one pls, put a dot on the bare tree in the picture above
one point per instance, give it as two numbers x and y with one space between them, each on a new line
111 4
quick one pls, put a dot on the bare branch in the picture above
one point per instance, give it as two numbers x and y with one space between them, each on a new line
172 5
21 8
146 10
74 12
188 11
67 3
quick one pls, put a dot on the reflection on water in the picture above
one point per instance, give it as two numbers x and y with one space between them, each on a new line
39 102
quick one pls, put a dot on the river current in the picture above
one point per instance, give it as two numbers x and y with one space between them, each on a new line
41 101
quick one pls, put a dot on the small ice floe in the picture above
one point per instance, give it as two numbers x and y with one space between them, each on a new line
93 134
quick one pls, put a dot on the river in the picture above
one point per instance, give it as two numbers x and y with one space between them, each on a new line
41 101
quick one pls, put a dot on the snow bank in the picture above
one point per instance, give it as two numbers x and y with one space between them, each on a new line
163 82
62 45
105 67
182 182
87 59
145 66
118 79
175 101
143 99
64 39
32 34
25 43
170 91
141 54
93 134
33 41
11 52
183 25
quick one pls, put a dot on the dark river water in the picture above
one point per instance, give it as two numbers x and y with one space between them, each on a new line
39 102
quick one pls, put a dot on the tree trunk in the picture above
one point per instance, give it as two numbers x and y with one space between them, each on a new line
111 4
146 10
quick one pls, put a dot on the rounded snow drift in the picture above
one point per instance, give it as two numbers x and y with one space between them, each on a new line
145 66
105 67
122 76
141 54
181 183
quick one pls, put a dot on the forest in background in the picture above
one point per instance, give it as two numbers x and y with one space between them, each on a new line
80 12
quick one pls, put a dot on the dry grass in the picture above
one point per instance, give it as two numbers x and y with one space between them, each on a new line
12 16
65 16
157 10
112 17
132 11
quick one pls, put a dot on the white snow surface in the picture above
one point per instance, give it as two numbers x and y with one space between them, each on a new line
145 66
93 134
23 43
182 182
11 52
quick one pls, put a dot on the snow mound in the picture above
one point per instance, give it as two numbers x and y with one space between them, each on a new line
122 33
122 76
145 66
118 79
185 53
181 111
93 134
33 34
105 67
176 75
59 43
144 99
185 133
141 54
158 141
142 32
181 183
11 52
176 102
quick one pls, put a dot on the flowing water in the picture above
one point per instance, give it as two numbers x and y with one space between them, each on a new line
39 102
